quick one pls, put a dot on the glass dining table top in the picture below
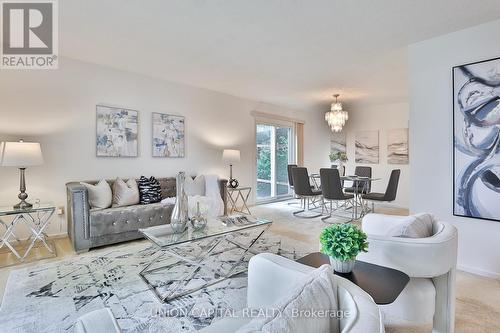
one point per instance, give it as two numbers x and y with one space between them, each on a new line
358 178
350 177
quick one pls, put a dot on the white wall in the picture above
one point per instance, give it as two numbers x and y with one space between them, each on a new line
380 117
57 108
431 138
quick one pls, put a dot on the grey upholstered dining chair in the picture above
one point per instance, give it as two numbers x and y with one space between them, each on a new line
362 187
331 187
303 190
390 193
290 180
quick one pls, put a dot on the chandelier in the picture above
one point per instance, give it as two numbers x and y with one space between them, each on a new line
337 117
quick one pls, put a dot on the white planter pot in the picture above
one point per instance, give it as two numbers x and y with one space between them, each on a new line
342 266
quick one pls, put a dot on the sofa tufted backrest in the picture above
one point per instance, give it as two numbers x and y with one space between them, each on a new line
167 185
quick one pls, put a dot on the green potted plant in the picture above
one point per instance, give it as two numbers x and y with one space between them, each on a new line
342 243
339 157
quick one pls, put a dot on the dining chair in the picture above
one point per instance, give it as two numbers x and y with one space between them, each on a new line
331 187
304 191
390 193
290 180
362 186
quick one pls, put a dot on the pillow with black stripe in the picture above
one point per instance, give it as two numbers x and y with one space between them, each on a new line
149 190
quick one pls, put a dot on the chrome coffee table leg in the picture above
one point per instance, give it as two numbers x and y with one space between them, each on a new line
197 264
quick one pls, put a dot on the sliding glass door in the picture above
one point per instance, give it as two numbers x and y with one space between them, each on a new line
275 144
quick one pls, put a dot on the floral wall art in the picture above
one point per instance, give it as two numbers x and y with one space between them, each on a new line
116 132
168 135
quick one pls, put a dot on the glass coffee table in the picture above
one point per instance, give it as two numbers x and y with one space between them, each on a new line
189 261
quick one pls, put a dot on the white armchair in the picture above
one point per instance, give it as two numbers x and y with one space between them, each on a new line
431 264
271 276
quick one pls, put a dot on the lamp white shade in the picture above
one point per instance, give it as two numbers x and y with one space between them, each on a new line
21 154
231 155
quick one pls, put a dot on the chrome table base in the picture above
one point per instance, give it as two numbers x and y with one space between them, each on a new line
36 221
179 272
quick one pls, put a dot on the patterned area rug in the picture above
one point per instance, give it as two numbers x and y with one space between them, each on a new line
50 297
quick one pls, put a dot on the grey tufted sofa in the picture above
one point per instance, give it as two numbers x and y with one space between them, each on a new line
92 228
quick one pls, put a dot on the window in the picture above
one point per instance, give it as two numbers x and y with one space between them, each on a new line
275 149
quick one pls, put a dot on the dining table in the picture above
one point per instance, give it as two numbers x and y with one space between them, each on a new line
357 189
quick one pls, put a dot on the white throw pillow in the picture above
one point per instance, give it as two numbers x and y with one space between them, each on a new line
293 313
212 190
195 186
100 195
125 194
415 226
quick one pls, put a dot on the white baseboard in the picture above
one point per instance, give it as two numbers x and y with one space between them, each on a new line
481 272
389 205
58 235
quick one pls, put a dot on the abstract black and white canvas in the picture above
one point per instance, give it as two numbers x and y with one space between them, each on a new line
367 147
338 142
117 132
397 146
476 152
168 135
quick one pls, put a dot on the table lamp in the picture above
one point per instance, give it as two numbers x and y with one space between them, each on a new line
21 154
231 156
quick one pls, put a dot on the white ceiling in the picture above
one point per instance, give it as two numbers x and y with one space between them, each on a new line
295 53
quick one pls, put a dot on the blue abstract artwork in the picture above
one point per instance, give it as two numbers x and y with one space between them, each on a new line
476 153
117 132
168 135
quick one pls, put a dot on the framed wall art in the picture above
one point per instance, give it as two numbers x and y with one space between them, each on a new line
117 131
476 140
397 146
168 135
367 147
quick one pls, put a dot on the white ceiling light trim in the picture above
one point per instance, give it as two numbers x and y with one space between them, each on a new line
336 117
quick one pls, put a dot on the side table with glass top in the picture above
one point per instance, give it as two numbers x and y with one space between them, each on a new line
192 260
237 199
35 219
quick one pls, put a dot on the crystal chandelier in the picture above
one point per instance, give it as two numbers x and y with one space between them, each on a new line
337 117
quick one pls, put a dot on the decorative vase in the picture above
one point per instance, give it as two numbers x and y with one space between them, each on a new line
198 221
180 217
341 266
342 168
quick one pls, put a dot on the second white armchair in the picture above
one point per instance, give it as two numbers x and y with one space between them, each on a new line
429 261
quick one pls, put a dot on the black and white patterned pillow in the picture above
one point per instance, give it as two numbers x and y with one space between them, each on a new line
149 190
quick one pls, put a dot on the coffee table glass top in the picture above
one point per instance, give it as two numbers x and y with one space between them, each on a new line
163 236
